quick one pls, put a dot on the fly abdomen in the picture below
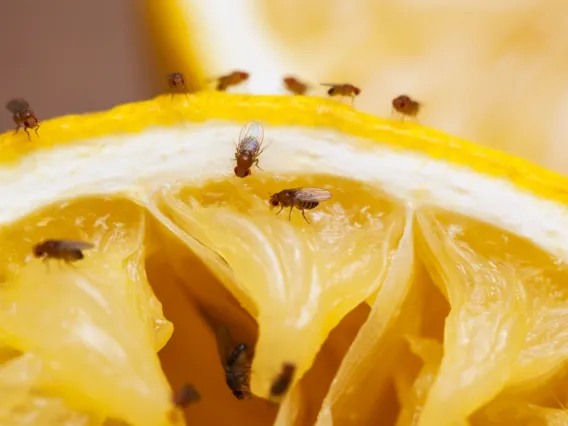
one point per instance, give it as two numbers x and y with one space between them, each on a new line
75 255
306 205
236 353
222 85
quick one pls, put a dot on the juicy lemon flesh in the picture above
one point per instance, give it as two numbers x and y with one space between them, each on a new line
504 333
412 308
93 328
298 279
100 315
481 325
130 326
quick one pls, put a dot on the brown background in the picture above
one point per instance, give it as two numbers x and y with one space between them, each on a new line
69 56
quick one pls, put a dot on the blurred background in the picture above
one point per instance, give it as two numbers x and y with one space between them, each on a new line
68 56
492 72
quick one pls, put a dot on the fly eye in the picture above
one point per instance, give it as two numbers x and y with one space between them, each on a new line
247 173
274 203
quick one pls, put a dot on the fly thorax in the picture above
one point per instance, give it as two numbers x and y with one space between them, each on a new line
287 198
244 159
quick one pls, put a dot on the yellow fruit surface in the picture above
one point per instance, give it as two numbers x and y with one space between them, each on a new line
488 72
395 311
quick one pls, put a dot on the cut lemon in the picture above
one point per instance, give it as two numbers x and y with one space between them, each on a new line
388 49
429 290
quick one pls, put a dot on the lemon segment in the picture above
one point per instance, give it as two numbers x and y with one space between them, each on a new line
521 411
22 404
297 279
17 376
496 307
98 316
502 291
412 388
374 352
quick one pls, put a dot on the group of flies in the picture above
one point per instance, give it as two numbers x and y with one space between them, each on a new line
403 104
235 356
247 155
25 118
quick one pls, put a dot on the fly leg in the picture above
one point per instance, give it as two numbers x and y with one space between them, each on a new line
290 215
68 262
281 207
256 164
46 263
222 86
36 128
17 127
27 133
304 215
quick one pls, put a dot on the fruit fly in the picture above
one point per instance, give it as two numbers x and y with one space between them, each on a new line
67 250
176 81
236 364
232 79
295 86
249 148
301 198
406 106
186 395
344 89
282 382
23 115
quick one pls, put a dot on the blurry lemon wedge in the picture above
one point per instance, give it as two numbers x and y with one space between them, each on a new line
419 223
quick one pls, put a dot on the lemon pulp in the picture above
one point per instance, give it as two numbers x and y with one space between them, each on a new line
101 314
387 304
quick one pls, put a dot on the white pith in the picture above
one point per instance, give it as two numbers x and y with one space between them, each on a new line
192 153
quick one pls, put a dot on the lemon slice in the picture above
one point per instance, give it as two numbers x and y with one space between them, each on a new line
415 217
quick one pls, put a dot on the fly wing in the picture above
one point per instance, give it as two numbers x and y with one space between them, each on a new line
17 105
312 194
241 361
251 137
223 343
75 245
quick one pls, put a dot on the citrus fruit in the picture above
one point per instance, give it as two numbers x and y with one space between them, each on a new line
391 48
428 290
